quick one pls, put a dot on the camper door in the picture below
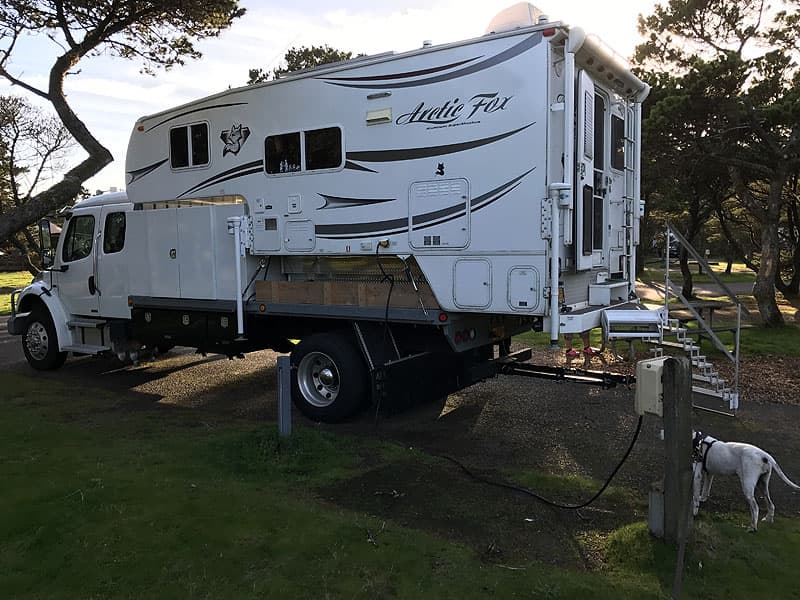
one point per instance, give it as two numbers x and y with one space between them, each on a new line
589 178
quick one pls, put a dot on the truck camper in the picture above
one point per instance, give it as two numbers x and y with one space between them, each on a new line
399 214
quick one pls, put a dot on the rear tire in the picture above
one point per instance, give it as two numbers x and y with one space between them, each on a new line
329 377
40 342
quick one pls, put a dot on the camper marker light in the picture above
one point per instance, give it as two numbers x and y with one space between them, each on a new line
442 317
262 308
549 32
140 128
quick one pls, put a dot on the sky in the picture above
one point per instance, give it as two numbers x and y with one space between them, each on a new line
110 93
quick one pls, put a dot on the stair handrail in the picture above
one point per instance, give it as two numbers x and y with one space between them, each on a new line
690 249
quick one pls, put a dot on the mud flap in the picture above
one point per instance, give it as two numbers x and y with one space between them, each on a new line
412 380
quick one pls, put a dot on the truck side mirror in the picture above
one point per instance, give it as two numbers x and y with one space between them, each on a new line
46 243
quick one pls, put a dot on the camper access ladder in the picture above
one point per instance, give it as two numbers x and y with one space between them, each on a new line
706 378
630 193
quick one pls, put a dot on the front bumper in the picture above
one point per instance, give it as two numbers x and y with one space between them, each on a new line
17 323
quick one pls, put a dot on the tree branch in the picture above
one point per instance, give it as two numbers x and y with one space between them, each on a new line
746 164
62 23
22 84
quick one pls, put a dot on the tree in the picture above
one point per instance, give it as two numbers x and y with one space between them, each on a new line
33 145
738 58
158 33
300 58
679 184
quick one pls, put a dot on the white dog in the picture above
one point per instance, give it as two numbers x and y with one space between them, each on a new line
752 465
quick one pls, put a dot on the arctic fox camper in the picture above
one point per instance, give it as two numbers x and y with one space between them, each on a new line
399 214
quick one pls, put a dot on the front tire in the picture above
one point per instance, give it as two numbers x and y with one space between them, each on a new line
329 377
40 342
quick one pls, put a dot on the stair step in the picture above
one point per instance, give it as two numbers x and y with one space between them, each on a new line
85 349
86 323
722 394
713 379
679 345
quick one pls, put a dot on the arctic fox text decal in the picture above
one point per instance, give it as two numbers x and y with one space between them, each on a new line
450 111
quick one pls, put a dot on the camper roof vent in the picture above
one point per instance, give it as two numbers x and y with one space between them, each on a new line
522 14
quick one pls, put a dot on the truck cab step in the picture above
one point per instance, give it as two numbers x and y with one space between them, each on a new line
85 349
86 322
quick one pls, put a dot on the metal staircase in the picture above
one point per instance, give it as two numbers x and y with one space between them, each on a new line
706 378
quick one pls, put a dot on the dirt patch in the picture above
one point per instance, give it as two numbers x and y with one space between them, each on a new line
501 526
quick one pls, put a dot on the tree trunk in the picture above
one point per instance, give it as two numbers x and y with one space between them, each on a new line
65 191
686 273
768 269
791 289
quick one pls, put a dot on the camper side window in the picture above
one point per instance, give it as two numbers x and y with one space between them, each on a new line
188 146
282 153
323 148
617 142
78 243
114 233
599 132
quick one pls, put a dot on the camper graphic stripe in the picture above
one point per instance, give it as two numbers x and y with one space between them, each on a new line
189 112
414 153
526 44
356 167
238 171
407 74
137 174
332 202
423 221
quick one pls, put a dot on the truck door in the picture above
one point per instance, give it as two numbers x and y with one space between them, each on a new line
76 278
591 183
111 278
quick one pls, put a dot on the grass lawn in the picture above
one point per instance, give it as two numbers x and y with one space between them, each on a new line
754 341
654 271
109 497
9 281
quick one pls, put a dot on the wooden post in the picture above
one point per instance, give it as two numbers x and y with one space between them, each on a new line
677 385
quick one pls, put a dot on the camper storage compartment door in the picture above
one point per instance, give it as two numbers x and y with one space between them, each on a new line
438 213
162 250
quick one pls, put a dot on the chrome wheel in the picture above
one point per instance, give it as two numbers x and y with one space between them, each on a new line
318 379
37 340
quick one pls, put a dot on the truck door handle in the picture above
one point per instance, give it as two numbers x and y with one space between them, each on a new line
92 287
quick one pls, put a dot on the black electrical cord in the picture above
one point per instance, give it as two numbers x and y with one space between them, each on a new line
516 488
386 277
390 278
252 279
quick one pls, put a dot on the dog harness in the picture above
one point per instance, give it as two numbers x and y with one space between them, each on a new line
697 451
